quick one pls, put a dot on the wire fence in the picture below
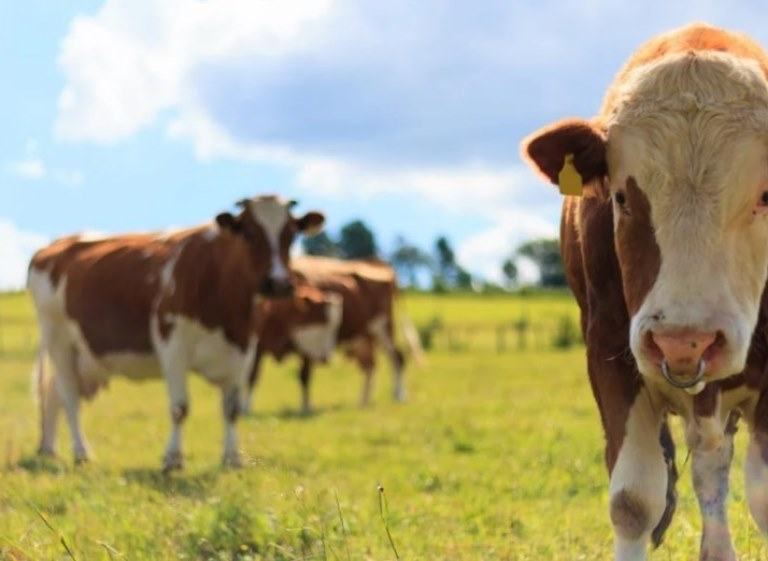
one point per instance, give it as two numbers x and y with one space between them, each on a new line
19 337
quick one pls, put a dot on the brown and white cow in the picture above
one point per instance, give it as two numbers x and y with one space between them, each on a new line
366 290
146 305
667 253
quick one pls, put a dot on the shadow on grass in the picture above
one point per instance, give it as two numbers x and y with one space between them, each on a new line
291 414
179 483
37 464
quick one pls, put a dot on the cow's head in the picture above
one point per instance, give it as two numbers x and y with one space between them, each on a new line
308 321
683 157
268 228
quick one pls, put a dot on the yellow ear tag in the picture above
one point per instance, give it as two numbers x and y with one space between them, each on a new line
569 179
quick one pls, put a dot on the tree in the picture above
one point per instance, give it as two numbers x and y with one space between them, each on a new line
357 241
449 274
545 253
408 260
509 268
320 244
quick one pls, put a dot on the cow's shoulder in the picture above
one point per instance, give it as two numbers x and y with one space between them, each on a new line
209 278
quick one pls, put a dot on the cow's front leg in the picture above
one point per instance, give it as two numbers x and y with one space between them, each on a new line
638 488
230 406
711 466
756 477
246 394
305 377
178 400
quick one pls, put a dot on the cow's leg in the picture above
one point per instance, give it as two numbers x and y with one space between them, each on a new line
385 336
367 362
305 377
50 407
253 377
638 488
63 357
178 402
756 477
711 467
230 407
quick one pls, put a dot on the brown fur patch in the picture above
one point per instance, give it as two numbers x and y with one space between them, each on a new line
629 515
636 247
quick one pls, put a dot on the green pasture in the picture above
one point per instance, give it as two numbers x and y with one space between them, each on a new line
496 456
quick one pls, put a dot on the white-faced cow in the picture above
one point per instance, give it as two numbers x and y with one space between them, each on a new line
366 290
667 253
147 305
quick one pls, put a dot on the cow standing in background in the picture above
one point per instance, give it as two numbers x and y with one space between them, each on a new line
667 254
367 291
146 305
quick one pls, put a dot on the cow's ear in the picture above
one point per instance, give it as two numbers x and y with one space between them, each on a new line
311 223
545 150
228 221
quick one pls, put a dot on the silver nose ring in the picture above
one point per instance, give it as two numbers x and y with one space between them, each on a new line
683 384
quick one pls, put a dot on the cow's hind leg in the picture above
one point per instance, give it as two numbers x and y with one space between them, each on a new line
639 481
711 467
63 358
230 406
50 407
384 334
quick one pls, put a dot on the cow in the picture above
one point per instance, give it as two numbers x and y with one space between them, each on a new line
308 320
664 237
367 291
159 304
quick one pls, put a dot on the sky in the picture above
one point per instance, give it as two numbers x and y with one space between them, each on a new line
128 115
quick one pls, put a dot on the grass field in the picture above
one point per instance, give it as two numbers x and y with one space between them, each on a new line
494 457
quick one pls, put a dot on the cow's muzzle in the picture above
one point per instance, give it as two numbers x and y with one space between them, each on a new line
692 385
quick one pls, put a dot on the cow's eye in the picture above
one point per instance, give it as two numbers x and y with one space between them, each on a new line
764 199
761 208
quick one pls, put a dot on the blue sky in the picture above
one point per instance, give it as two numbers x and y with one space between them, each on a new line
126 115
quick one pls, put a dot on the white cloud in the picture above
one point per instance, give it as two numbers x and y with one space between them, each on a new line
28 168
32 168
16 248
356 99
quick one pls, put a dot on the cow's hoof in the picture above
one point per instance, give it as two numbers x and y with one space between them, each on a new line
46 452
82 460
232 460
173 461
399 397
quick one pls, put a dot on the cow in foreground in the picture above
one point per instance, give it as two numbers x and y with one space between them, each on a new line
365 291
667 254
147 305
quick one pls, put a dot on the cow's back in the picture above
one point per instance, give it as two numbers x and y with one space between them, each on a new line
366 287
107 287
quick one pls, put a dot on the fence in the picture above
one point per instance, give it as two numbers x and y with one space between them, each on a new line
18 335
519 335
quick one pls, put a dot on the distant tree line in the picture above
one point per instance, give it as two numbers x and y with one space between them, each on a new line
439 267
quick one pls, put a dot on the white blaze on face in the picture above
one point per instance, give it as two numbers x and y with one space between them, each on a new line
273 215
693 133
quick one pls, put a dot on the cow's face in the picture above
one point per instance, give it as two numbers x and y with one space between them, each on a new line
684 160
269 229
307 321
316 326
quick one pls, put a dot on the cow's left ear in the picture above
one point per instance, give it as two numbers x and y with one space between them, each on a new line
228 221
311 223
545 150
